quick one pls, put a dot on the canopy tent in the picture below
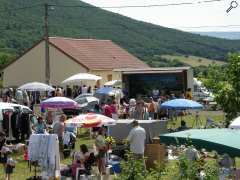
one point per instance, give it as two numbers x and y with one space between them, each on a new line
220 140
235 124
181 104
79 78
113 83
36 86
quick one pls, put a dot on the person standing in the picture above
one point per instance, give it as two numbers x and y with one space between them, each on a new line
40 127
101 148
189 94
108 109
84 89
68 92
10 165
136 138
2 143
151 108
114 109
139 110
58 129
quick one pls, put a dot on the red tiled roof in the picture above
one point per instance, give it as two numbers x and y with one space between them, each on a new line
97 54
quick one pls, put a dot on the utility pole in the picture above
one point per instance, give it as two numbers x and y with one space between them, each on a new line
46 37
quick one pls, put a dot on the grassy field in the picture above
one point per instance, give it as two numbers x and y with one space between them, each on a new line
21 172
193 61
190 119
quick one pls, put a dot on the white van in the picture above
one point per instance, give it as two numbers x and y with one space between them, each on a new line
200 92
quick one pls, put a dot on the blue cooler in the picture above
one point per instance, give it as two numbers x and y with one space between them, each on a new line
115 166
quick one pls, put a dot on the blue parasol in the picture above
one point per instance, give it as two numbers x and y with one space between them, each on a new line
181 104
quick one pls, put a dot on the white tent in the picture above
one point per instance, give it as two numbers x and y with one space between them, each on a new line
235 123
113 83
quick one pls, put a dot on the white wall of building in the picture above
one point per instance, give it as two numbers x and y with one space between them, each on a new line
31 67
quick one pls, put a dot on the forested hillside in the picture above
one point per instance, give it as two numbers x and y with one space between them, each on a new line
21 27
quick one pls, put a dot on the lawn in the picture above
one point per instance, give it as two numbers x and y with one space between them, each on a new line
193 61
190 119
21 172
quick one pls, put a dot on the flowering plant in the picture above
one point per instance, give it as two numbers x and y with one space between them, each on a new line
110 140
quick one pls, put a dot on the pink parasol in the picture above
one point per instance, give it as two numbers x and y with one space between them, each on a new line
59 103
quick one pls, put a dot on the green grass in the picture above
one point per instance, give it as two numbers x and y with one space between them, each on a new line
217 116
193 61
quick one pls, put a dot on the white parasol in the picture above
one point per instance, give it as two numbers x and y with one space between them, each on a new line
36 86
78 78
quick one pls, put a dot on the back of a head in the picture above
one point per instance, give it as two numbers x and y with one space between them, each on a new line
183 123
101 131
135 123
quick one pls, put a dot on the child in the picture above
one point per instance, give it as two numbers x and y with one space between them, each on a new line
10 165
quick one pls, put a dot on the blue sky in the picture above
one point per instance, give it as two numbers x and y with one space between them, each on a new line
195 17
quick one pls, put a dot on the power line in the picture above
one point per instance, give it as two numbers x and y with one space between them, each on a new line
135 6
109 7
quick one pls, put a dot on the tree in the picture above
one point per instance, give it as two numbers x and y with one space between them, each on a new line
5 58
226 86
215 77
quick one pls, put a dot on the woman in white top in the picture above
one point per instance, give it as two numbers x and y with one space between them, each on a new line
79 159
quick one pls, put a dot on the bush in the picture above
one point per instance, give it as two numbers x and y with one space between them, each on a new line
181 169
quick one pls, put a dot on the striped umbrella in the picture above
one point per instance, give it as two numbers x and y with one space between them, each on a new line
90 120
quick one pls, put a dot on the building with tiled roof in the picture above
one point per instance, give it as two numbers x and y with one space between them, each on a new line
67 57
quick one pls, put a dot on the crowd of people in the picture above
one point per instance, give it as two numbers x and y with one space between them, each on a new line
140 108
29 98
116 108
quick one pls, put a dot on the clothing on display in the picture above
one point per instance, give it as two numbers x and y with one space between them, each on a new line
44 148
20 124
67 137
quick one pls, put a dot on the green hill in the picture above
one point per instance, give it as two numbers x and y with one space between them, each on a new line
20 28
192 61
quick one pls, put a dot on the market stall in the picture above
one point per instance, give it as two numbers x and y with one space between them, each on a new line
152 127
220 140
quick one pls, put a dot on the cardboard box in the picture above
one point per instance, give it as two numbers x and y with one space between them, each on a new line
154 153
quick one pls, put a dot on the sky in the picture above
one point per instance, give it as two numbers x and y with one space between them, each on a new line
194 17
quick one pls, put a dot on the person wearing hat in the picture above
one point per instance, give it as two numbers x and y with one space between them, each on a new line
136 138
